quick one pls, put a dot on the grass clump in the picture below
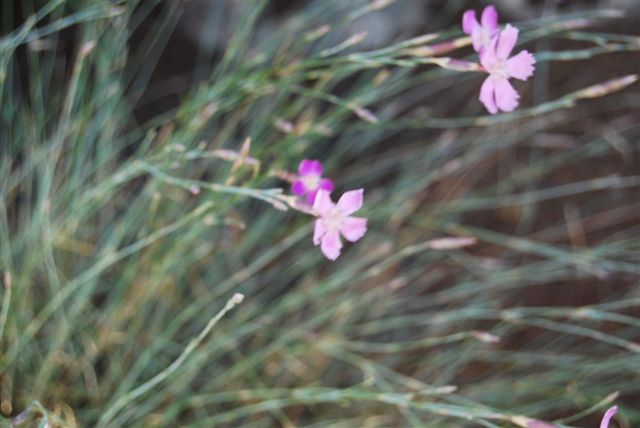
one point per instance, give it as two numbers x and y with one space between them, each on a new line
129 215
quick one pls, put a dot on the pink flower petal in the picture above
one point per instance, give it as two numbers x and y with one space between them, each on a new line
311 196
506 42
481 34
506 97
309 167
521 66
298 188
496 92
319 230
488 57
354 228
477 39
351 201
326 184
607 417
469 21
331 245
322 203
489 18
487 95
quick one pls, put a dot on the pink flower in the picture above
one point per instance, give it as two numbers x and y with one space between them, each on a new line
496 92
310 180
481 34
607 417
335 220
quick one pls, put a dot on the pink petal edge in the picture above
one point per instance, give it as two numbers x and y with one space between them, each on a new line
298 188
469 21
506 42
309 167
607 417
489 18
488 54
354 228
326 184
351 201
331 245
506 96
311 196
322 203
487 95
521 66
319 231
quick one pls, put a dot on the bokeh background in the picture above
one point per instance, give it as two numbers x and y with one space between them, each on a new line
132 209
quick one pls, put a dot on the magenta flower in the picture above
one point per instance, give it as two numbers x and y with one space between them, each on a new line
496 92
310 180
481 33
607 417
335 220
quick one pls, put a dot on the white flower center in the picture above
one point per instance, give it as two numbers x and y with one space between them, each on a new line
334 219
499 69
311 181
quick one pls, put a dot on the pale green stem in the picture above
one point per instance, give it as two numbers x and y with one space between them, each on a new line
148 385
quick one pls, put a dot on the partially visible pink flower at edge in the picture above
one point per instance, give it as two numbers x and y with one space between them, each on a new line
310 180
335 220
607 417
496 92
481 32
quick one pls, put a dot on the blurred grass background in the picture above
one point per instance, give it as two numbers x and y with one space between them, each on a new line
125 228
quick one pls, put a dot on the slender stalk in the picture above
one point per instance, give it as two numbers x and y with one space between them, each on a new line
164 374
